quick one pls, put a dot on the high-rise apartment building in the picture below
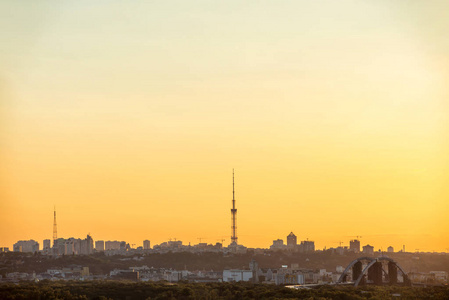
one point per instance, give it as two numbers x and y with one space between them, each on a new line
354 246
26 246
291 240
368 249
146 245
112 245
277 245
306 247
87 245
47 244
99 245
123 246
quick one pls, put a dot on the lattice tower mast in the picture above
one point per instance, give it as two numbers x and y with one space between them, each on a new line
55 229
233 214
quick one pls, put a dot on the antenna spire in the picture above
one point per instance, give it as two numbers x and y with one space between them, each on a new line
233 190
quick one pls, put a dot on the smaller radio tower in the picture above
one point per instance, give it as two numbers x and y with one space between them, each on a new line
233 214
55 229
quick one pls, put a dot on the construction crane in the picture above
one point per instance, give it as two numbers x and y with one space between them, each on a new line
200 238
358 237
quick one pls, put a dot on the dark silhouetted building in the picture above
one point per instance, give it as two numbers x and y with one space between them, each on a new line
291 240
26 246
354 246
99 245
368 249
306 247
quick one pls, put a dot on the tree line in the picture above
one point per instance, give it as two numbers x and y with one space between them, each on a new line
162 290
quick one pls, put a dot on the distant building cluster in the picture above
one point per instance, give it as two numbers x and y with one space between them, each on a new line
71 272
72 246
77 246
293 274
354 247
429 278
87 246
292 245
309 246
283 275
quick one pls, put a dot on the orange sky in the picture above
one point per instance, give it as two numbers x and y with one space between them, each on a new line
130 117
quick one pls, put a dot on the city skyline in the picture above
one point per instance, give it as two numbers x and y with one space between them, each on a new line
291 244
278 243
129 118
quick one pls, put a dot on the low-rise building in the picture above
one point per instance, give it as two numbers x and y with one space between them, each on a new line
69 272
235 275
128 275
286 278
440 276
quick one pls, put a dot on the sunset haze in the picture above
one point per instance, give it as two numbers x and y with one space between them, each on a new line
129 118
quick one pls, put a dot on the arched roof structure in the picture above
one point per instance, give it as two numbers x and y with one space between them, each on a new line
371 261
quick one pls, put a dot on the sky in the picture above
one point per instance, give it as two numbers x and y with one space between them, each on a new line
130 117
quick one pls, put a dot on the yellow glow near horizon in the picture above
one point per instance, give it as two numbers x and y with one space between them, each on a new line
130 117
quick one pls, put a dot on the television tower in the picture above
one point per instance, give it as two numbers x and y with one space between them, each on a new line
55 230
233 214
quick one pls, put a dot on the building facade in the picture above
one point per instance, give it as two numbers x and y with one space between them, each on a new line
277 245
237 275
291 241
368 249
306 247
47 245
112 245
99 245
26 246
354 246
